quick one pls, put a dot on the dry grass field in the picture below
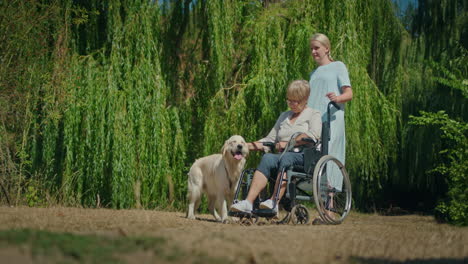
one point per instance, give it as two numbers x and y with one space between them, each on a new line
75 235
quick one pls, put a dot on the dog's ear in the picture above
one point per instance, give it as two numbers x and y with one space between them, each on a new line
224 148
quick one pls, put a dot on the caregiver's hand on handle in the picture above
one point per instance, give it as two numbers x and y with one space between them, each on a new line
346 96
332 96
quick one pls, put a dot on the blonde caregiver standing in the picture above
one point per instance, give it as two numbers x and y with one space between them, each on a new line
330 82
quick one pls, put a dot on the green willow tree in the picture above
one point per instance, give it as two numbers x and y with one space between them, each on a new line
98 131
274 48
439 56
27 54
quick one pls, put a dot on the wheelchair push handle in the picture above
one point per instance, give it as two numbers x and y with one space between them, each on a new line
328 112
334 104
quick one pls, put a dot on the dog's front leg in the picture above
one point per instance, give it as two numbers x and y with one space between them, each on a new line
193 199
224 212
191 210
212 203
221 209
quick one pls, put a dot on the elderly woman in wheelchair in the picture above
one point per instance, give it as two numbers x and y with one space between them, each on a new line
302 169
300 120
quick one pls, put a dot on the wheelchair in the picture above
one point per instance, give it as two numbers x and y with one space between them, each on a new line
322 179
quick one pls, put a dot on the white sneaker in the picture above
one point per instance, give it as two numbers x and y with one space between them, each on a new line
242 206
268 204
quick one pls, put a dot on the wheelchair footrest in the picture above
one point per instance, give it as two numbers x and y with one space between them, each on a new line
264 213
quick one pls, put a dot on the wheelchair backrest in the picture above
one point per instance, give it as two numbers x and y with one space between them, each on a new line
311 157
313 154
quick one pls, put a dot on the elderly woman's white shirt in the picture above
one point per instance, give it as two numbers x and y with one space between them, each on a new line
308 122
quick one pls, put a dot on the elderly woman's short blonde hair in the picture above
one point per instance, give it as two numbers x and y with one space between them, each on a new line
298 90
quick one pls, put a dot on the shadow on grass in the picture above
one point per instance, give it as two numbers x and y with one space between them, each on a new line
361 260
55 247
211 220
204 219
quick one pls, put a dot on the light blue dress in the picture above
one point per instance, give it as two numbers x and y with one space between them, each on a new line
331 78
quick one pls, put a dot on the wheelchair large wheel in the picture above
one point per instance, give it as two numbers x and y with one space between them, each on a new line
332 190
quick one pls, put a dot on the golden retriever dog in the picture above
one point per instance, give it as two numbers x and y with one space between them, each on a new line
217 176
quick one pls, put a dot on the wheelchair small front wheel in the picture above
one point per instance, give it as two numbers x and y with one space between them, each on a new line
332 190
299 215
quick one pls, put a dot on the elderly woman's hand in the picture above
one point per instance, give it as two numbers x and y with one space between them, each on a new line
259 146
280 145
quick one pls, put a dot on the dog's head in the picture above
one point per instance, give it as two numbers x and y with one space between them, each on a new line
235 147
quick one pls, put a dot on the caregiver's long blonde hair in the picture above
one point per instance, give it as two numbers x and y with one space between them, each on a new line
322 38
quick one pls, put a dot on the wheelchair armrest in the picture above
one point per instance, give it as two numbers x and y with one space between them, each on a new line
271 145
309 140
297 168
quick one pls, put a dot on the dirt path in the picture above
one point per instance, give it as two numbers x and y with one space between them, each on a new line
361 239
